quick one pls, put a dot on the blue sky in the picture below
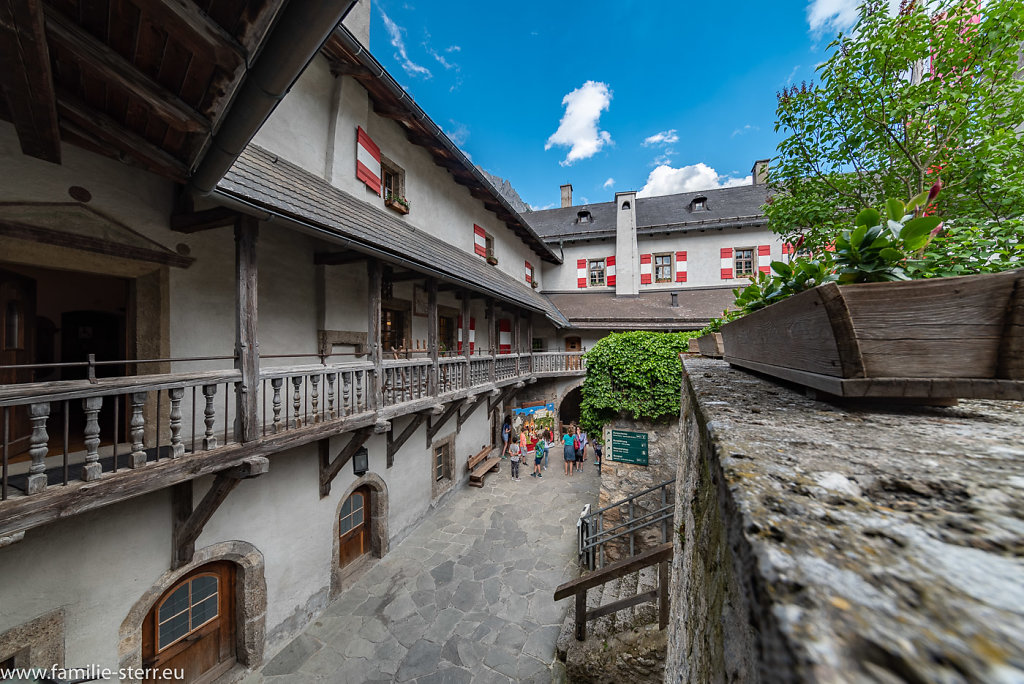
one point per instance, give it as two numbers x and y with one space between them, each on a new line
658 97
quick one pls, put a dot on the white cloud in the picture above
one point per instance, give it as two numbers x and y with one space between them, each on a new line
534 207
395 34
744 129
668 137
663 159
608 183
578 128
666 180
832 16
458 133
453 48
789 79
440 58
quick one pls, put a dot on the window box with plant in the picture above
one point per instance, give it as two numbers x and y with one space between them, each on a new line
396 202
872 319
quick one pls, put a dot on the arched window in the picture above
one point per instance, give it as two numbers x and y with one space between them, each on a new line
625 206
354 526
699 203
584 217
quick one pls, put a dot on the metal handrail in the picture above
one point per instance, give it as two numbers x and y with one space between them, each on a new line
598 538
593 536
634 496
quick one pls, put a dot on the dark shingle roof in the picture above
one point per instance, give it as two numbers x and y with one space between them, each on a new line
726 208
262 179
648 311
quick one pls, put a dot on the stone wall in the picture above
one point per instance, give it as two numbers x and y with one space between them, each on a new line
820 542
620 480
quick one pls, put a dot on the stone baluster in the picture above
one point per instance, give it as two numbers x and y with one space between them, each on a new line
314 396
38 415
92 468
137 458
331 377
346 393
275 384
360 380
177 448
209 414
296 400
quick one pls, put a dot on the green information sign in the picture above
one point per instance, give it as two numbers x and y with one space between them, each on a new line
629 447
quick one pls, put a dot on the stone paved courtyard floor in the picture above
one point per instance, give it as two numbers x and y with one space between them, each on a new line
466 597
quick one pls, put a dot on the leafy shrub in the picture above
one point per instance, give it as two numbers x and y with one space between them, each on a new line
636 374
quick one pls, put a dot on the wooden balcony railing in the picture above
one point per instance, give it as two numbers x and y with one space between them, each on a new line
58 433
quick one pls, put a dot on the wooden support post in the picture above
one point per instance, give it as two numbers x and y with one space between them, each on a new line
529 342
518 339
663 594
247 352
374 277
581 615
492 335
189 523
395 443
330 469
465 324
432 336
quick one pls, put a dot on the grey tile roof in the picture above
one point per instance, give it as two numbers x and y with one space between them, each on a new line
648 311
726 208
262 179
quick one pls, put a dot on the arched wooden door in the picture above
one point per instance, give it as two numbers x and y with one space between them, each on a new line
192 627
354 526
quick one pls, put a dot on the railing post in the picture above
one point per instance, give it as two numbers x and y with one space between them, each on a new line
374 334
209 415
296 400
177 448
92 468
664 523
38 415
432 336
632 535
137 458
581 615
275 384
247 355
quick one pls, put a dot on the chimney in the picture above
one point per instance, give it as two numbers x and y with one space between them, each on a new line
759 172
567 195
627 257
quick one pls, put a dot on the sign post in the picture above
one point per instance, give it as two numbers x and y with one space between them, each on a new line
629 447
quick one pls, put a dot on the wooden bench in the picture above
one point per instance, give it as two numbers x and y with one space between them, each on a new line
480 464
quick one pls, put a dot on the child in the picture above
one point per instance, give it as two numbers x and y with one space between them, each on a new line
569 452
547 447
513 457
538 456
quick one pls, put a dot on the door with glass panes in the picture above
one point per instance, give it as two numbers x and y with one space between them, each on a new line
354 526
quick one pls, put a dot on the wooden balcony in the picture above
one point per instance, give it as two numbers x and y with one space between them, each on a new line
76 445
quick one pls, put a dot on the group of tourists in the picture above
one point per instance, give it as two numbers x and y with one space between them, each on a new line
519 448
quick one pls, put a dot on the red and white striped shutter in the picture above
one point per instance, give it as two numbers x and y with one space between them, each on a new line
680 267
504 336
529 268
609 273
479 240
581 273
472 334
367 160
645 269
764 258
726 263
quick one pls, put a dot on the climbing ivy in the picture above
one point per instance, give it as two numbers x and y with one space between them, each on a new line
635 374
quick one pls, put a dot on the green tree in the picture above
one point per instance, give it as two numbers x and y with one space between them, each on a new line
932 91
637 374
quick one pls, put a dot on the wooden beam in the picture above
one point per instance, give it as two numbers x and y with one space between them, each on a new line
464 415
26 79
432 336
247 348
434 427
189 523
329 469
338 258
197 30
395 443
374 280
88 243
96 57
196 221
339 68
126 142
505 395
395 113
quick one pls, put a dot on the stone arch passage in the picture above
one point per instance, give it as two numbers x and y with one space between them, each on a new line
569 406
250 603
379 505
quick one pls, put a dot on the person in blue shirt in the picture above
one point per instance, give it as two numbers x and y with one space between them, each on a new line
506 432
569 450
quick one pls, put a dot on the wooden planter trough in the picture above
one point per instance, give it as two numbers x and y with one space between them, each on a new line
935 339
710 345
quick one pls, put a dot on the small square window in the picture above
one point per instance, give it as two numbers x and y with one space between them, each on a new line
743 258
393 182
597 272
489 245
439 461
663 268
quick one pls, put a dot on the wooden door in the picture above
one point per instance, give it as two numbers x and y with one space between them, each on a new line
192 627
573 344
17 347
354 526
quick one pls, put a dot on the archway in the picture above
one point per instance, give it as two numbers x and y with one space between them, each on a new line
569 407
375 512
245 567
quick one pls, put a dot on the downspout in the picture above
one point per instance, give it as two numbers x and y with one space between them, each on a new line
298 36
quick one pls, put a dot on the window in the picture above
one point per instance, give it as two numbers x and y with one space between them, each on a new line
699 203
584 217
439 457
189 607
352 512
596 272
489 246
625 206
392 329
663 268
538 344
442 466
743 262
393 178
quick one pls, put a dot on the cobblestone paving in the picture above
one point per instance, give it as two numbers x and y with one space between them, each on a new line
465 597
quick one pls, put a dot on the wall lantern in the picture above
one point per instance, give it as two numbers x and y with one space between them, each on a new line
361 461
